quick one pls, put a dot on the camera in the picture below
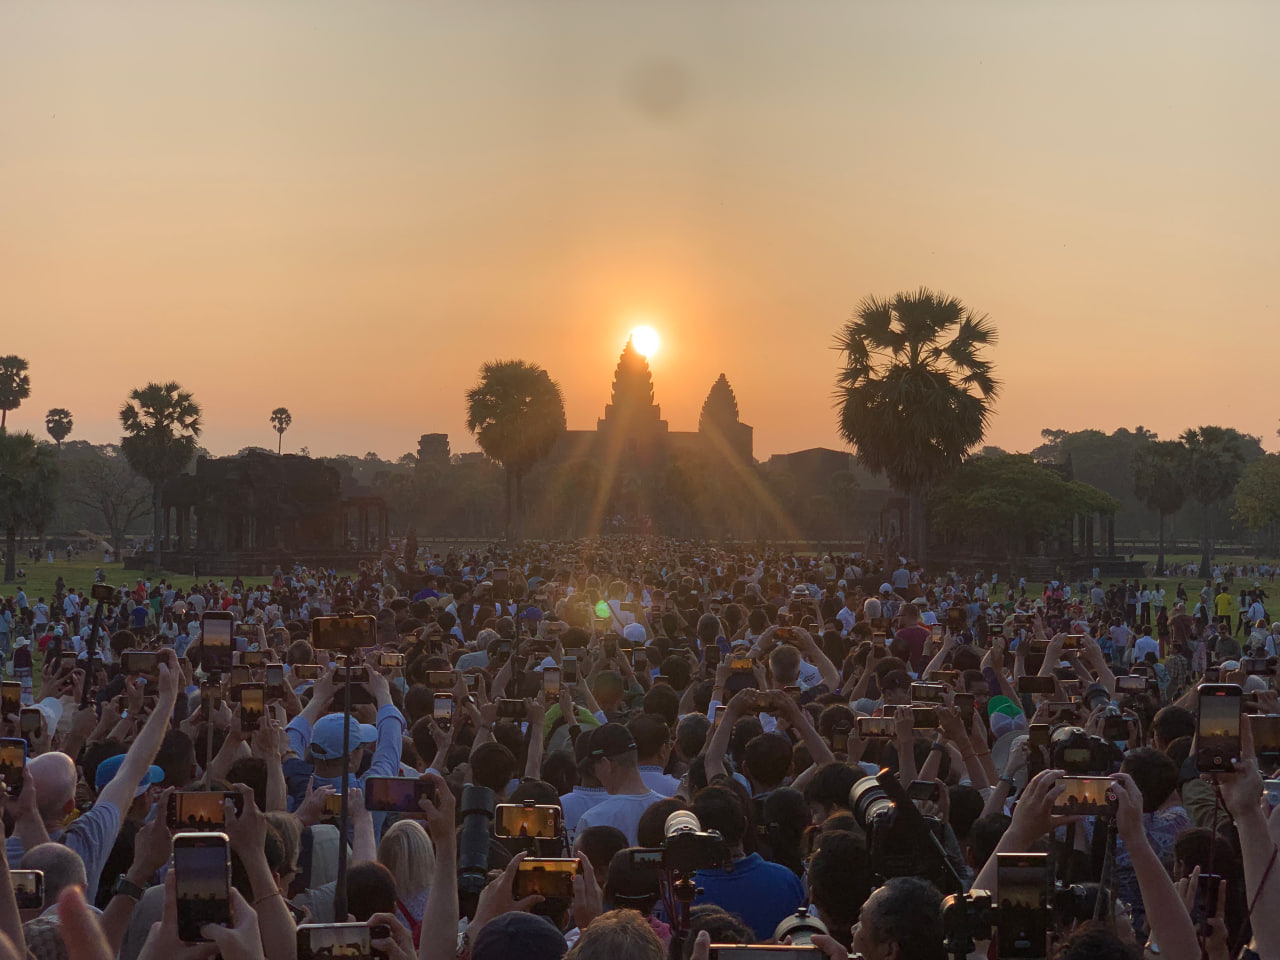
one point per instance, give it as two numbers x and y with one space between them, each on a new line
901 841
800 927
477 809
1079 754
686 847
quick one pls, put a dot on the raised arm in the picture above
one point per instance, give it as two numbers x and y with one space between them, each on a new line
142 752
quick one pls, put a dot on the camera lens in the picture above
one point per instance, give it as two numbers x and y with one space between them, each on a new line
681 821
473 843
868 801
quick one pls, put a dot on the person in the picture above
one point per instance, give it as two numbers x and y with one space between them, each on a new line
901 920
618 935
613 759
761 893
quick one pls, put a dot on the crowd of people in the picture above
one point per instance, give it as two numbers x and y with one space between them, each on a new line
712 747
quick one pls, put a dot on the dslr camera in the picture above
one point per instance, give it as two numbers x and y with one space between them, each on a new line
686 847
1082 755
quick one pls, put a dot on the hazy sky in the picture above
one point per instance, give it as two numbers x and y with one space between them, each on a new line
345 208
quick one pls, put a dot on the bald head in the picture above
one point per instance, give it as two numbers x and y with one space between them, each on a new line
54 776
62 868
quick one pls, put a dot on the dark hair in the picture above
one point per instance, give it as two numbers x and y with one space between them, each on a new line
831 783
908 912
718 808
1172 723
419 702
691 733
649 829
767 759
252 772
370 889
1154 774
785 817
1095 941
492 766
560 769
744 731
677 669
650 733
966 808
895 680
840 881
664 702
177 758
598 844
985 834
721 925
529 790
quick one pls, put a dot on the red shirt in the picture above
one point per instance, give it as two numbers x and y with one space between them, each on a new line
916 637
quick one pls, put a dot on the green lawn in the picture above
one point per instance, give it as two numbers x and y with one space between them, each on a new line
79 573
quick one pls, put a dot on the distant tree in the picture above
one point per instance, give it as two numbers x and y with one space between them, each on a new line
516 413
280 422
915 394
58 423
161 423
1257 500
106 484
15 385
28 490
1160 481
1216 458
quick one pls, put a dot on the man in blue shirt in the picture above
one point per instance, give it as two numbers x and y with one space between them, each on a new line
315 736
761 893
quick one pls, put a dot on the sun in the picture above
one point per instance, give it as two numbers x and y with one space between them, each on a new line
645 340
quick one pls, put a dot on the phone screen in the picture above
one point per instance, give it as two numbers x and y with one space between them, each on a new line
31 722
215 641
551 681
518 820
1218 727
28 888
201 809
10 697
13 757
442 707
306 671
329 941
570 670
544 877
253 703
202 875
344 633
1084 796
877 727
141 663
1022 889
1266 734
275 679
397 794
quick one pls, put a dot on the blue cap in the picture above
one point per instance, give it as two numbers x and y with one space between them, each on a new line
109 767
531 613
326 736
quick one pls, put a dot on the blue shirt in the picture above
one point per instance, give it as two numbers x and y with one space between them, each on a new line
760 893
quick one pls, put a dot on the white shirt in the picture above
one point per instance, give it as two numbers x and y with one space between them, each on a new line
1144 646
655 779
622 810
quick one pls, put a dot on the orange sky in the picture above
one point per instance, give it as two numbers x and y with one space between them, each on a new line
344 208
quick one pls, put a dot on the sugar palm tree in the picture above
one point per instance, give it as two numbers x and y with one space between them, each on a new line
28 490
915 394
1216 458
161 424
1160 482
58 423
15 385
280 422
516 413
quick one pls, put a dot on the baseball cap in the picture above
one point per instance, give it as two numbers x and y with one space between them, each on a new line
326 736
524 935
635 633
108 768
531 613
546 662
885 588
610 740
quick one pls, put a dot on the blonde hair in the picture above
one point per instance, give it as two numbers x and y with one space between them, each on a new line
408 853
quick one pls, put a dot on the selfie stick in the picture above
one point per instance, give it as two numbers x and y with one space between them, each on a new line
340 891
91 644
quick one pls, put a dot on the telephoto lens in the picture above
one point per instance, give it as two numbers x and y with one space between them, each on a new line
473 843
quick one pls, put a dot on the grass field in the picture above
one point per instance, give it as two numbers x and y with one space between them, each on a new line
79 573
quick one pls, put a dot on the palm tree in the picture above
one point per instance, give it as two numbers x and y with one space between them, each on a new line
915 393
161 423
280 422
28 490
58 423
1215 460
1160 481
516 413
15 385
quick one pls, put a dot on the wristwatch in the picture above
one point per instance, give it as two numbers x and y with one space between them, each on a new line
128 888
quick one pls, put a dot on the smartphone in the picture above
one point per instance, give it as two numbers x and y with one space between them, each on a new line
569 668
995 629
948 677
201 809
640 658
1074 641
720 709
442 709
1131 683
877 728
253 658
1045 686
253 704
546 877
240 675
924 790
202 876
527 820
388 659
31 719
102 593
275 681
397 794
1038 737
1115 728
923 718
964 703
1062 711
1085 796
28 888
1206 905
66 663
305 671
935 632
1266 735
441 679
10 697
741 664
711 656
551 682
764 951
956 619
216 630
13 757
333 805
928 693
359 674
210 696
347 632
350 941
1218 727
610 647
141 663
1022 892
511 710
